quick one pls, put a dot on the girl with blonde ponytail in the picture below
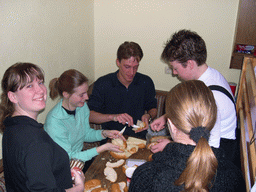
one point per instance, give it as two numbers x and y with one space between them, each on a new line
188 163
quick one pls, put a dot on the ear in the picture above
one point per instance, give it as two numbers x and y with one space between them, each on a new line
172 127
12 97
117 63
191 64
65 94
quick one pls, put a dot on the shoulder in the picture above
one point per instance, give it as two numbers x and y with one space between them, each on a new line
105 82
144 80
57 112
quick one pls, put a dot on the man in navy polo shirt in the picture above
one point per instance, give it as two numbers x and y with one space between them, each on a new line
125 95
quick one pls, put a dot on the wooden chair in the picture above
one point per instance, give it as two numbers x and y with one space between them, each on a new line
246 112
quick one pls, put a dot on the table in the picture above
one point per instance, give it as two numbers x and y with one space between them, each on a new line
96 170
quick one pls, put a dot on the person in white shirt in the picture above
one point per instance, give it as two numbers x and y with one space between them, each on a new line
186 55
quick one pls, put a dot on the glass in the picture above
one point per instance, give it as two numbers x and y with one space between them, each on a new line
151 133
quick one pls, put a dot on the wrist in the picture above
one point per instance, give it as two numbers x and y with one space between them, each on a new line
114 118
150 118
103 133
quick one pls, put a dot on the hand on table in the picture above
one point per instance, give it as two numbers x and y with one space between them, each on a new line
161 143
159 123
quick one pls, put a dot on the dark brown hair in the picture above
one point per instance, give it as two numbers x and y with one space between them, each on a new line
16 77
189 105
129 49
68 81
185 45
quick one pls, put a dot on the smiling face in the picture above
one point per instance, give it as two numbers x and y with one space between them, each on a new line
29 100
127 70
76 99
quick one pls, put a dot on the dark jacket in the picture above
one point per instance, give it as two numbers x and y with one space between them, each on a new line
167 166
32 160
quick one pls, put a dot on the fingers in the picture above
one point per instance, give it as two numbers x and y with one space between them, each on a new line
123 118
121 137
78 175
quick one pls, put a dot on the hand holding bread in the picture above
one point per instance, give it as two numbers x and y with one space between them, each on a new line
158 143
128 148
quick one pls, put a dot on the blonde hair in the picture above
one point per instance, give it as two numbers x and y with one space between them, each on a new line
68 81
16 77
190 105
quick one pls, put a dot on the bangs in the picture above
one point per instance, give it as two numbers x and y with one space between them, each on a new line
28 75
23 74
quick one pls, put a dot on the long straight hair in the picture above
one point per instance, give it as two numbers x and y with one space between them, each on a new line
189 105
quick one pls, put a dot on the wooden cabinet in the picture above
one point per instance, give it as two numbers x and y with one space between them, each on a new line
245 31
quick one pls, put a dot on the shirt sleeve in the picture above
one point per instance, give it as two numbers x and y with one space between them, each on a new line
37 164
60 134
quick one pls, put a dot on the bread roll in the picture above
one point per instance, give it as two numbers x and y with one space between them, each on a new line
110 174
100 189
119 142
141 143
141 125
115 187
155 138
132 146
124 155
119 187
91 184
115 164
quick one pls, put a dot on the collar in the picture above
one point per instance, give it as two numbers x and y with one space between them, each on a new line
116 81
25 120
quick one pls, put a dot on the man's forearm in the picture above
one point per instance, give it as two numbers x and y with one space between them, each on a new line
152 113
98 118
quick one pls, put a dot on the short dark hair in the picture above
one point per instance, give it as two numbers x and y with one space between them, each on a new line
129 49
185 45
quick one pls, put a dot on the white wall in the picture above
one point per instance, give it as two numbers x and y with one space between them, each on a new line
85 34
55 34
150 23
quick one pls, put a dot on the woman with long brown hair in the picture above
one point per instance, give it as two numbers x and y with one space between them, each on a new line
32 160
188 163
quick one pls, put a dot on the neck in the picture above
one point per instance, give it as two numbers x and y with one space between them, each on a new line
125 83
201 69
66 105
21 113
184 139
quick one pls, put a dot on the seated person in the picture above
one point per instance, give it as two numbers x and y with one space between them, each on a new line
125 95
68 122
188 163
32 160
